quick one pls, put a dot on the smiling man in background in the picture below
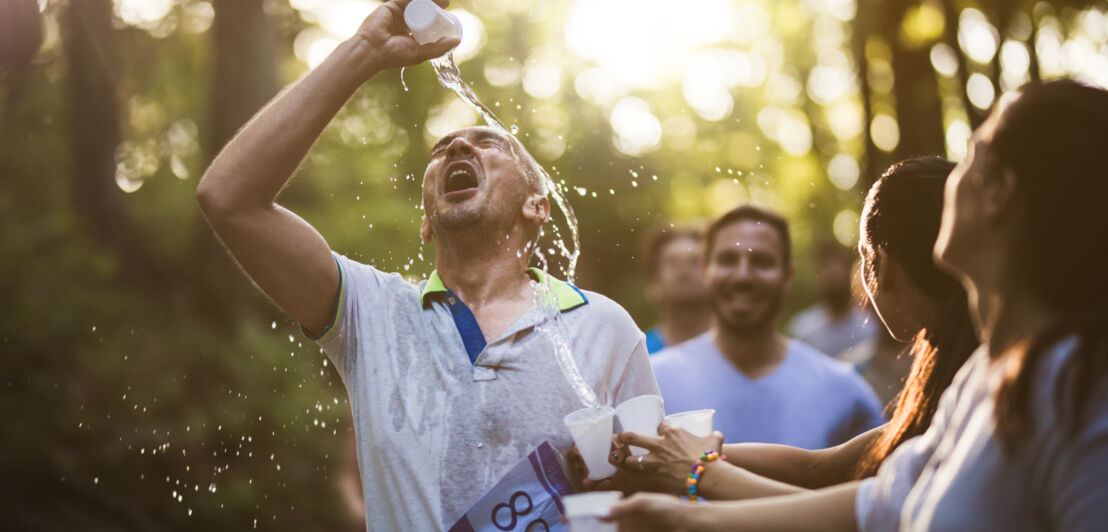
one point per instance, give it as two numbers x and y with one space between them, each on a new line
452 381
765 387
675 286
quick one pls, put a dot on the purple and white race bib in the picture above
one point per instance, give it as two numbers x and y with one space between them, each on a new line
527 499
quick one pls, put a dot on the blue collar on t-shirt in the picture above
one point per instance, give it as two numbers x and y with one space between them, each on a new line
568 297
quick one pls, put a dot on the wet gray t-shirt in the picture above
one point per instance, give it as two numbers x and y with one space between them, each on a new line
434 430
957 476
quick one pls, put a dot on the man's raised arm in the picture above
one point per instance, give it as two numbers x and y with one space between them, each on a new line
282 254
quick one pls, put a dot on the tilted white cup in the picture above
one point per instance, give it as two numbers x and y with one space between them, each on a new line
428 22
641 415
697 422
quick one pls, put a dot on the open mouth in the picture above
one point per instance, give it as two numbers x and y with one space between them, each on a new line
461 176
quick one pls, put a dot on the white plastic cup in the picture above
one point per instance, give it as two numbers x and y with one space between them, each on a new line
697 422
591 429
583 510
428 22
641 415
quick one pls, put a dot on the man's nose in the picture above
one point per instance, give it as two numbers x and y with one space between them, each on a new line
459 146
743 271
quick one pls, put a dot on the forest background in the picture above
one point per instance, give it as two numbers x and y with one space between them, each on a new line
145 385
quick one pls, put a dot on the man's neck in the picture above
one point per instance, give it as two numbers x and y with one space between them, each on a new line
680 322
484 272
756 353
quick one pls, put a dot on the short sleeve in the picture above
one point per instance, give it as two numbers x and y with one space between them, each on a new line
363 299
637 377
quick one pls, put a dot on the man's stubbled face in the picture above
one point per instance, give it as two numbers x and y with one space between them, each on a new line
747 275
473 179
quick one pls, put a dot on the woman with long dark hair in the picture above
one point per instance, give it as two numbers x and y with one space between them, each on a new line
1019 440
917 302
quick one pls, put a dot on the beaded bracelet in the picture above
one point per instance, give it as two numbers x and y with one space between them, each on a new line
698 470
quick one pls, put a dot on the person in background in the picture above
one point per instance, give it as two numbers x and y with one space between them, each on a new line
882 360
675 286
1020 438
884 363
764 386
838 321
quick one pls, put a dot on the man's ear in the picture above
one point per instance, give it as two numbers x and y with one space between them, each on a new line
536 209
425 231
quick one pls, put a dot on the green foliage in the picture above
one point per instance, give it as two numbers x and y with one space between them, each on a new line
149 400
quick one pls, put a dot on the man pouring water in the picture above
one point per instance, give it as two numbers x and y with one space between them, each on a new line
453 381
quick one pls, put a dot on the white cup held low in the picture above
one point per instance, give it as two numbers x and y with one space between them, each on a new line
591 429
584 509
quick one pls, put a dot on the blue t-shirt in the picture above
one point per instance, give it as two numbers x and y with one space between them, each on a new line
810 401
654 340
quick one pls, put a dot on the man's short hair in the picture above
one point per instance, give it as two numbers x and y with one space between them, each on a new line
657 241
750 212
529 167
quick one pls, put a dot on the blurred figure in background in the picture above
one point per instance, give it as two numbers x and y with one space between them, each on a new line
764 386
675 286
838 321
882 360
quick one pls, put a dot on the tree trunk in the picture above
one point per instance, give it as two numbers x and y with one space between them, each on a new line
950 38
20 39
245 70
872 159
918 104
1034 70
95 132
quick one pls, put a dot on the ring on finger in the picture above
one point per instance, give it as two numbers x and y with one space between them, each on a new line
641 467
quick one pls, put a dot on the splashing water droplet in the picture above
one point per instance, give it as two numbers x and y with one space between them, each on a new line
402 82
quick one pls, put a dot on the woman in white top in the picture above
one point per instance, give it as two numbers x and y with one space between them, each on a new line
1020 439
